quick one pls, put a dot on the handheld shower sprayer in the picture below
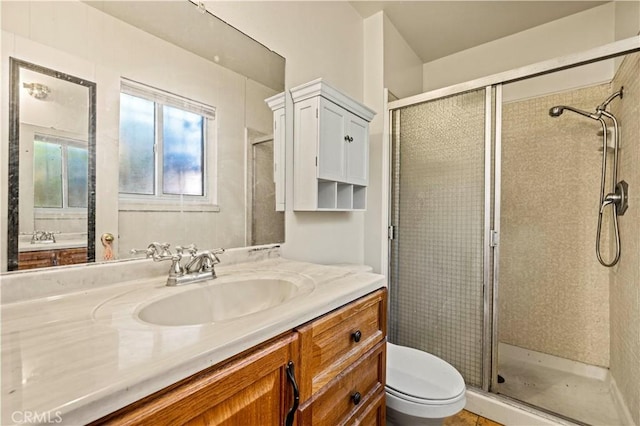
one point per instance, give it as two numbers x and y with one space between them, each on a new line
618 196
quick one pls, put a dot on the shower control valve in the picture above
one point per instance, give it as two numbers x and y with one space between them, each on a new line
618 198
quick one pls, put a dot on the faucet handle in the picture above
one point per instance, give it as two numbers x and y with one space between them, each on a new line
192 249
217 251
163 249
148 251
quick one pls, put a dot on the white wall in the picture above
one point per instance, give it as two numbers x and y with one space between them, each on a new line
389 63
374 58
402 66
318 39
627 19
575 33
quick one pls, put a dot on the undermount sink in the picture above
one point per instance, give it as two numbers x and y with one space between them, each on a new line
221 301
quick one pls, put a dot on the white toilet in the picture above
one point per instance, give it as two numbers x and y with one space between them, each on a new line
422 389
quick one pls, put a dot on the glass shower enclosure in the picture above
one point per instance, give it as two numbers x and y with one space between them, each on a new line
494 210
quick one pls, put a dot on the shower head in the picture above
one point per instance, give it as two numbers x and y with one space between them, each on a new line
557 111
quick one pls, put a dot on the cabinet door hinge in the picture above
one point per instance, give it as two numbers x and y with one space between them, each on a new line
316 161
494 239
316 112
391 232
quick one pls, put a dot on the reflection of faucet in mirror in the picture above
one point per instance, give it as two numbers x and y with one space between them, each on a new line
43 237
200 266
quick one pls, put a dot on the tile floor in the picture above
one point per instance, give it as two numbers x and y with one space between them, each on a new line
467 418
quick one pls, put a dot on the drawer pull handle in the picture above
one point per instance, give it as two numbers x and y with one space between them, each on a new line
296 394
356 398
356 336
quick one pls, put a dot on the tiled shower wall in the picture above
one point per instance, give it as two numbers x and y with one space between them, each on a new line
625 277
553 293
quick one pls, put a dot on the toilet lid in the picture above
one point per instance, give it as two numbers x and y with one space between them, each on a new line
421 375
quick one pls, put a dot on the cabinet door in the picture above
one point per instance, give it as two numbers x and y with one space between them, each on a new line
350 395
37 259
279 129
72 256
357 150
251 390
331 146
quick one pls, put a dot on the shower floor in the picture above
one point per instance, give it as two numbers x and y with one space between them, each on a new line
571 389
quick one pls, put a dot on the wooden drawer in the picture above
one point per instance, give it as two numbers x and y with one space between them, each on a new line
353 396
37 259
374 414
72 256
329 344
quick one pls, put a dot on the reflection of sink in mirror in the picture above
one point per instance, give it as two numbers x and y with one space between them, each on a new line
221 301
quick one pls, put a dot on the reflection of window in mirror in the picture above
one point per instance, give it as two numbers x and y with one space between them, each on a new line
59 173
164 139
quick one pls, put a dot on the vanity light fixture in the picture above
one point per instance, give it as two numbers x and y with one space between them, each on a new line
37 90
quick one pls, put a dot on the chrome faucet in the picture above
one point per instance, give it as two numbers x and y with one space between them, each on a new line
43 237
200 266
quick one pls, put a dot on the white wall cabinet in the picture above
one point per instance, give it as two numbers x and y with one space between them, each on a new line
276 103
331 149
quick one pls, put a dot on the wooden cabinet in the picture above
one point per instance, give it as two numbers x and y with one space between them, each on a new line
343 369
252 389
339 368
277 105
331 149
46 258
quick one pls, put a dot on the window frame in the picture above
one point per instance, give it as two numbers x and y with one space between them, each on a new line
64 143
160 201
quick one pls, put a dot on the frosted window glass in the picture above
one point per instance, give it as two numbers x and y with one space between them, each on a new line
183 136
77 172
47 174
137 139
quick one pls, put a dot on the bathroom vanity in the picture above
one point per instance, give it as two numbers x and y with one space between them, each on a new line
337 368
87 355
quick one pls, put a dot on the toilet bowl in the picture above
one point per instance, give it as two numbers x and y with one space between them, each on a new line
421 389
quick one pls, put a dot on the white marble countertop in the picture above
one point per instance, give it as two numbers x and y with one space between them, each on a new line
58 245
76 357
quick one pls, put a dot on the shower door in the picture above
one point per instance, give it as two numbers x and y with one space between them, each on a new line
441 216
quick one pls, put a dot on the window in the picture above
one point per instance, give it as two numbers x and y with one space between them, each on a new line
164 140
60 172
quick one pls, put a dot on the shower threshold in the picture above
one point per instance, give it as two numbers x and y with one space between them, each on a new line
570 389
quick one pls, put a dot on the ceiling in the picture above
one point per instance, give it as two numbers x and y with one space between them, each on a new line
435 29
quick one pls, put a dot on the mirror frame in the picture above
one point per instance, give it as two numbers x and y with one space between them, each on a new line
13 229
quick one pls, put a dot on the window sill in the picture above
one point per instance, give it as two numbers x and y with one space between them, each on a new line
129 206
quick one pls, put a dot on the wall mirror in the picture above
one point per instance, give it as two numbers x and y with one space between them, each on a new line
52 132
165 110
